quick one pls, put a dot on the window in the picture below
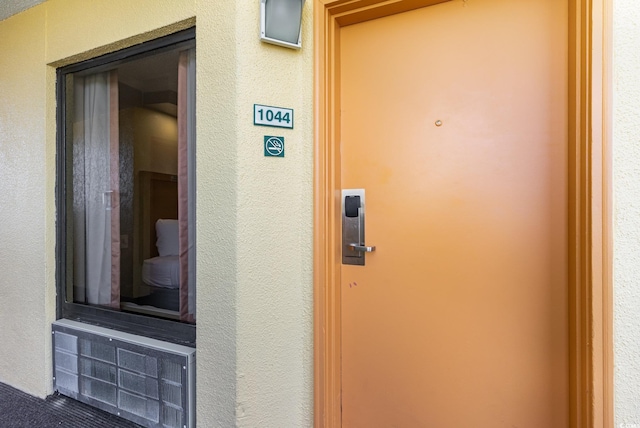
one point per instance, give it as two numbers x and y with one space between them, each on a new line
126 189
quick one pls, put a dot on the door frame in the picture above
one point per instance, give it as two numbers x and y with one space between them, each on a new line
589 205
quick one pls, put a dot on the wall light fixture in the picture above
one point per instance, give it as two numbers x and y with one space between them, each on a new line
281 22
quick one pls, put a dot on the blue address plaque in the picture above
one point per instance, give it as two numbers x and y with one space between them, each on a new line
272 116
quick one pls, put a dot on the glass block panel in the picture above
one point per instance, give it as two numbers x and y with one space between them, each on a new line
172 393
142 385
98 370
140 406
98 390
171 371
66 342
97 350
66 381
66 361
138 362
171 417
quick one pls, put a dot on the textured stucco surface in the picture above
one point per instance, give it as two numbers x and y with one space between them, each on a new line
254 214
217 171
626 181
274 241
254 226
25 294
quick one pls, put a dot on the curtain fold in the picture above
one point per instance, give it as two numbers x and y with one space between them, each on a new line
186 183
96 219
114 157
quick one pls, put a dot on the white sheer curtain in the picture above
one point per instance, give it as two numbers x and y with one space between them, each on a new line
187 182
96 212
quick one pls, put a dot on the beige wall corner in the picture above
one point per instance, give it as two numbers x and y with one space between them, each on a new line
216 200
274 230
255 303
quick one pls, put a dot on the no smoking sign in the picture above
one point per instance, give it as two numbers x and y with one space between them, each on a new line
273 146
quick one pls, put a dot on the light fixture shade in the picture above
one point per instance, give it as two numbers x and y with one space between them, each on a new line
280 22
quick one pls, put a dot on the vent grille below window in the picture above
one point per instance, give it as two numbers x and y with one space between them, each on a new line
149 382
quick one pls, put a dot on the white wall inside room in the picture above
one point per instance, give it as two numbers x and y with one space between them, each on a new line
155 141
626 183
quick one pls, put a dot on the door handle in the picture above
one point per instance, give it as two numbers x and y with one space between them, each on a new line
362 248
354 249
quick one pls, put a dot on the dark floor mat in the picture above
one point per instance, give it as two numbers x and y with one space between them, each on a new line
21 410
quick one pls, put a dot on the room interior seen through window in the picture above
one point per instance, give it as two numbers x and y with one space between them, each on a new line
130 184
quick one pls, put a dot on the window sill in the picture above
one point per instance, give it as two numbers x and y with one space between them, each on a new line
143 325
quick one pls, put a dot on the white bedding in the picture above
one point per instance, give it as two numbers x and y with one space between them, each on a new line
162 271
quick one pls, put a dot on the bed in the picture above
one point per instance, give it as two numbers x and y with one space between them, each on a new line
156 277
162 272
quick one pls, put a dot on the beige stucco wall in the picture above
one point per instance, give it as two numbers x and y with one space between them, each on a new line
27 290
626 182
274 209
254 224
254 227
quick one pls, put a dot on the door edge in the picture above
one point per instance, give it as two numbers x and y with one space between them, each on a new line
590 209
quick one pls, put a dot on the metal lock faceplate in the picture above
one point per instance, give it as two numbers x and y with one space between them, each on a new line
353 227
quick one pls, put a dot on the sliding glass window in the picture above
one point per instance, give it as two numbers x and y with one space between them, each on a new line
126 182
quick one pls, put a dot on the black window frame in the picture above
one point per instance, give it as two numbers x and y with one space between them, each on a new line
143 325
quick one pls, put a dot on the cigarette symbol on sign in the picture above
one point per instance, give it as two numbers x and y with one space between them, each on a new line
273 146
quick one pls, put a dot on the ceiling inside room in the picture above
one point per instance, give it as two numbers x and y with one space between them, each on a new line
12 7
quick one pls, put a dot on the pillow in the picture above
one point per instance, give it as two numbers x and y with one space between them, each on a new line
168 242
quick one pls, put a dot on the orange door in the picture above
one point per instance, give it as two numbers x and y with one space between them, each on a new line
454 122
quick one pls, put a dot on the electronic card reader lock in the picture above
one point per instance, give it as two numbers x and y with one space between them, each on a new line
353 246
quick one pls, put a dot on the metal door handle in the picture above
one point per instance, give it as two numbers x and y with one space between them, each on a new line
363 248
354 249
